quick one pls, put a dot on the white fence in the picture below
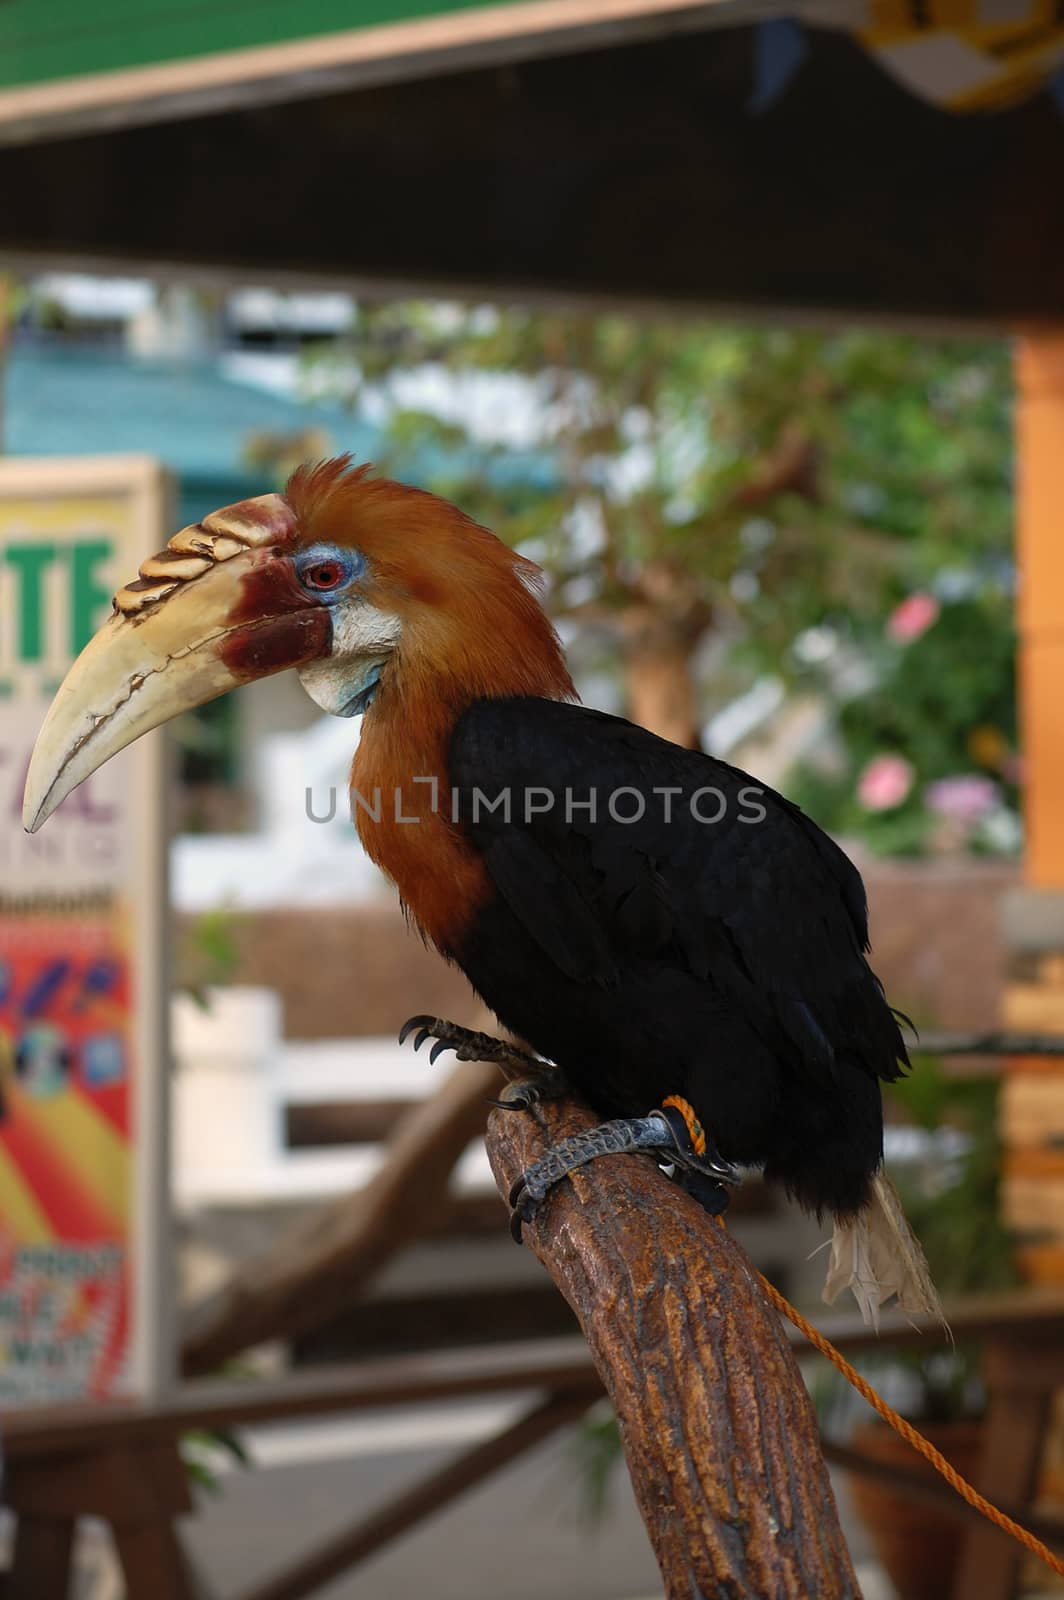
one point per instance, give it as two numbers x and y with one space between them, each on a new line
234 1078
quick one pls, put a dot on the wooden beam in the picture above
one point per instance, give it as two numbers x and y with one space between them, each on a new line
1034 1315
312 1124
394 1324
630 175
992 1042
555 1365
1040 551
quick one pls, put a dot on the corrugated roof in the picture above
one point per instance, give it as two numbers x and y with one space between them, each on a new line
70 401
64 401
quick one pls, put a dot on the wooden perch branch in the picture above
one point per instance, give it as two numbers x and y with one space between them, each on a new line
716 1424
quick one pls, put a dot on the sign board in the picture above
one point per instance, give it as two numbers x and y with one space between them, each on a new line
84 1268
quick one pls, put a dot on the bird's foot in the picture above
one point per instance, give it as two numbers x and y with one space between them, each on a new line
517 1064
664 1134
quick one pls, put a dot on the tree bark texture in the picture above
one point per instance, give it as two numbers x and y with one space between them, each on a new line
660 635
661 692
717 1428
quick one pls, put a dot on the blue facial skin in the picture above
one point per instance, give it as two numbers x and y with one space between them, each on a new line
346 566
320 558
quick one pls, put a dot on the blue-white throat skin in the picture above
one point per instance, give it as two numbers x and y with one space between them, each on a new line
363 638
343 688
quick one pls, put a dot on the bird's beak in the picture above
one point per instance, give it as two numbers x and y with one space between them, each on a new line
219 606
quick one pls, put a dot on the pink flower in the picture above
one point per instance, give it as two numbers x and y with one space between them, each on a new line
912 618
966 798
885 783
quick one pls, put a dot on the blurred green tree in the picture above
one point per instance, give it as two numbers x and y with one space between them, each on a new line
718 503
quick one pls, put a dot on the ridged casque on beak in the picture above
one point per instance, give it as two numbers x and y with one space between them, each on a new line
218 607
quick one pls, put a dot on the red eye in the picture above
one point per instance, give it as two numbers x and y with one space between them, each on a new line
323 575
326 570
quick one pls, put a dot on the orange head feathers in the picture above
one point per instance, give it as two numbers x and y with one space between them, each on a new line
463 609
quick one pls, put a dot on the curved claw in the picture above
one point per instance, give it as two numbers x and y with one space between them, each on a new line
514 1102
437 1050
523 1208
411 1023
425 1033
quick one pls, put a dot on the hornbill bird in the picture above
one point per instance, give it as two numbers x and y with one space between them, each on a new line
677 942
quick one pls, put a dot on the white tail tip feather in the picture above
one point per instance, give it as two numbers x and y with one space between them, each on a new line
877 1256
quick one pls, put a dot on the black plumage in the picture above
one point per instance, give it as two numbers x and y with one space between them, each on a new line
721 959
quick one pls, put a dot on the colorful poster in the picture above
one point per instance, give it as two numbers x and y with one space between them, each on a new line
83 1175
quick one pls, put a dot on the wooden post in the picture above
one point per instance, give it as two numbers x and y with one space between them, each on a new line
1032 1105
716 1424
139 1491
1020 1378
1040 550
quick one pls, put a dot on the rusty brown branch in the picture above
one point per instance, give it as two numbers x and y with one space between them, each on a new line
717 1428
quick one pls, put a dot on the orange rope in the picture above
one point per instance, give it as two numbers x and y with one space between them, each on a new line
694 1128
910 1434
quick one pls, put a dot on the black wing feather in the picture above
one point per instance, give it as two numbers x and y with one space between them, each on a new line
771 911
